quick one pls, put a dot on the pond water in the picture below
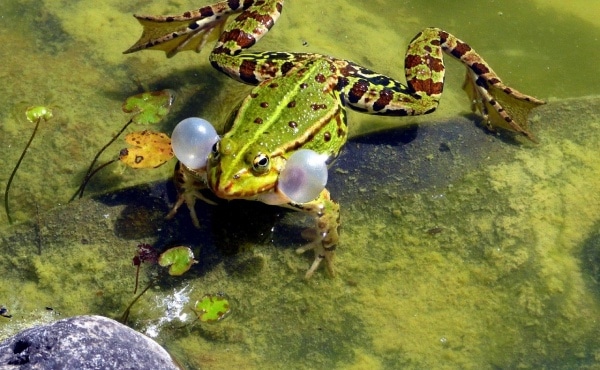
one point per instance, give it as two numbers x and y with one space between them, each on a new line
459 249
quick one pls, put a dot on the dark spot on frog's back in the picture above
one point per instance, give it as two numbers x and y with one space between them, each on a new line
274 85
318 106
320 78
293 124
258 120
327 136
264 104
291 104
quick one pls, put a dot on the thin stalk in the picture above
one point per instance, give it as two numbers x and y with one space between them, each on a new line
125 315
84 184
90 171
12 175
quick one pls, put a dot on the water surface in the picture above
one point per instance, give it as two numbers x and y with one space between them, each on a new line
469 251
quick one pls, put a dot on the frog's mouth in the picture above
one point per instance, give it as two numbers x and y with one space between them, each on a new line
241 185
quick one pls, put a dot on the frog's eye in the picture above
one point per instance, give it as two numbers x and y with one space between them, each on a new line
260 164
192 140
215 150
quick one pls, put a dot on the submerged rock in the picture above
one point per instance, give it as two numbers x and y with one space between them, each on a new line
83 342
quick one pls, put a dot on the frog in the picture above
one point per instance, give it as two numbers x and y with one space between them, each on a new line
299 103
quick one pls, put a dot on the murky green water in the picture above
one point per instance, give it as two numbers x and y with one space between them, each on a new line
457 257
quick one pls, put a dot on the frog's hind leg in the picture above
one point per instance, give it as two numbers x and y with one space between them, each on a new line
500 105
370 92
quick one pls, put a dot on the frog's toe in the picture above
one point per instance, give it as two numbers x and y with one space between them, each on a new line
321 253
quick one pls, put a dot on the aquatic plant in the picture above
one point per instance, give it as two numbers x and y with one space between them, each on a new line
178 259
148 149
212 308
147 108
34 114
144 253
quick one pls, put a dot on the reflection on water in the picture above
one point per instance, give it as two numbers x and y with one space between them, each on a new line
461 258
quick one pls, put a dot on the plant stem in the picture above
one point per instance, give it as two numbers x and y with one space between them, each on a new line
12 175
90 173
125 315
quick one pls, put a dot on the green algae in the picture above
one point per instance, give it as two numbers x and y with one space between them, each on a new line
499 286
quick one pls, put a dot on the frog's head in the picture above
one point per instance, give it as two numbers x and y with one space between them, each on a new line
242 170
252 172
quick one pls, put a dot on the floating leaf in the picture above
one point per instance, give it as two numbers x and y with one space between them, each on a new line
38 111
179 260
212 308
149 107
148 149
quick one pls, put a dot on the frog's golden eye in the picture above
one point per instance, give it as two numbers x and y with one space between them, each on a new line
215 150
260 164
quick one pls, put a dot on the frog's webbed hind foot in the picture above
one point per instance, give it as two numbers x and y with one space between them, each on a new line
188 31
500 105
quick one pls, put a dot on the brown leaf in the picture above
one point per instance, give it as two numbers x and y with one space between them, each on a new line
148 149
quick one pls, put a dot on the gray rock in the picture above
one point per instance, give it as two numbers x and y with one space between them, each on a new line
83 342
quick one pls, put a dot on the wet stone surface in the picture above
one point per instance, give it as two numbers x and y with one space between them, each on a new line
83 342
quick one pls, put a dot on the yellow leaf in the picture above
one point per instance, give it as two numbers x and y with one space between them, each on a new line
148 149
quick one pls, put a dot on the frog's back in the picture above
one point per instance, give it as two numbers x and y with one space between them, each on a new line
301 109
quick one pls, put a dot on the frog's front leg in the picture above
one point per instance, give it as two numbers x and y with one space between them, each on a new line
327 214
189 185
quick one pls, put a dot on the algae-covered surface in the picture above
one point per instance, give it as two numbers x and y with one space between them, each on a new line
459 249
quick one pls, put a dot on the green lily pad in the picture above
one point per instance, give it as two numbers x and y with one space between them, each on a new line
179 260
212 308
36 112
149 107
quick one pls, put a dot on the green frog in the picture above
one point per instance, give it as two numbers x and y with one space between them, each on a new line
299 106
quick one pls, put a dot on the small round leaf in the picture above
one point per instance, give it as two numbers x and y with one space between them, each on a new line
178 259
212 308
149 107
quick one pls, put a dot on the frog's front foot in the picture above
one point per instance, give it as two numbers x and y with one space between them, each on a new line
189 185
321 253
325 235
